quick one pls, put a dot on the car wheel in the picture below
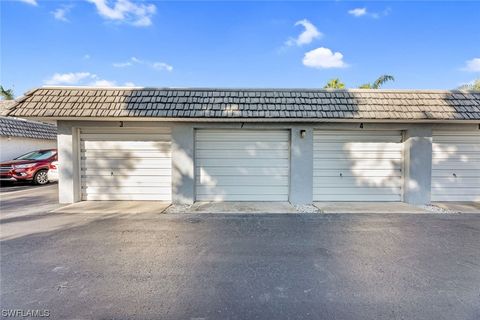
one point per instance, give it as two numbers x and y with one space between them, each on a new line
41 177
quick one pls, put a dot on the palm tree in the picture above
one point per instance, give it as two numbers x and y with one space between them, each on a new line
6 94
475 86
334 84
378 83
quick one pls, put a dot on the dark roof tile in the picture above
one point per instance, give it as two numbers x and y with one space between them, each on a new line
10 126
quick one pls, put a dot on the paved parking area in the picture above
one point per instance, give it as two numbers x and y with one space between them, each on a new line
237 266
369 207
18 186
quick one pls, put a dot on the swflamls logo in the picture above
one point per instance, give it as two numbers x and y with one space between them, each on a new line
22 313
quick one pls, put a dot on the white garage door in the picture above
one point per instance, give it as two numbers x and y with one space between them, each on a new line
242 165
456 166
125 164
357 165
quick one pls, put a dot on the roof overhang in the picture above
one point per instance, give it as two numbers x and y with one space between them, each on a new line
253 120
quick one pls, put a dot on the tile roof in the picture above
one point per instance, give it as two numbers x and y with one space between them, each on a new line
5 106
300 104
15 127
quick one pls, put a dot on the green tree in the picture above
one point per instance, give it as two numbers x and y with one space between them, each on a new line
378 83
6 94
334 84
475 86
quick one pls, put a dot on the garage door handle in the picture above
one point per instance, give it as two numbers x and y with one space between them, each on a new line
111 173
341 174
455 175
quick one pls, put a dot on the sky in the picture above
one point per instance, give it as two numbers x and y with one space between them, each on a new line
265 44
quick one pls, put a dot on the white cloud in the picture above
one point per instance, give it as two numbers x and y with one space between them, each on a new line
162 66
32 2
472 65
136 60
129 84
122 64
79 78
358 12
102 83
69 78
61 13
323 58
307 36
130 62
126 11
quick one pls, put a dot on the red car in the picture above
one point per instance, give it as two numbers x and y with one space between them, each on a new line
32 166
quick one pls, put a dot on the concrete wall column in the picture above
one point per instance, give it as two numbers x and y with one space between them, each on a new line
183 165
418 164
69 177
301 165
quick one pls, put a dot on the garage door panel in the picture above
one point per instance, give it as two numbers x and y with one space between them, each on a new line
132 172
463 157
362 190
455 148
126 189
456 137
244 138
125 164
251 162
356 197
357 166
125 181
126 146
242 190
449 197
154 131
126 136
376 135
229 134
346 182
349 139
236 197
242 154
96 154
457 190
241 171
241 145
359 155
354 147
363 173
456 166
207 180
242 165
456 181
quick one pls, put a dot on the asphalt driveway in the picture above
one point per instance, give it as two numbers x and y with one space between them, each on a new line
214 266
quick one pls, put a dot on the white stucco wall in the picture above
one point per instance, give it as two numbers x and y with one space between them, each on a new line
12 147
